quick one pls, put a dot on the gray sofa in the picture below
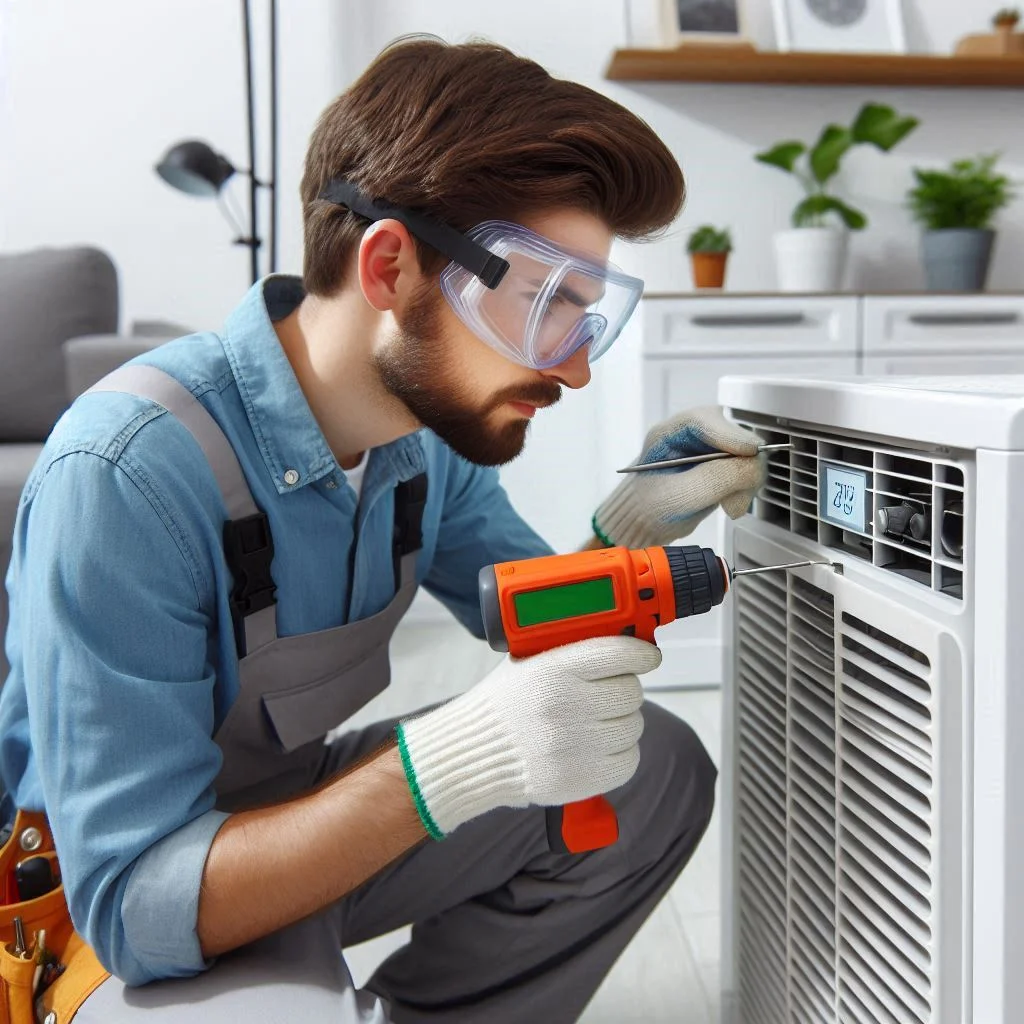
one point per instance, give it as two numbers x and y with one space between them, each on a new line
58 336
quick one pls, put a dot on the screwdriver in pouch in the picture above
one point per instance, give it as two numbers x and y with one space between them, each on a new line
535 604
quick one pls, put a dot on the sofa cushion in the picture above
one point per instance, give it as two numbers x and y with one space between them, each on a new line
47 296
16 462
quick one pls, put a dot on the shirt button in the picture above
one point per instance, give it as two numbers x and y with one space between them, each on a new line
291 477
332 484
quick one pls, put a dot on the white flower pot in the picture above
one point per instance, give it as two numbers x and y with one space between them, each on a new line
810 259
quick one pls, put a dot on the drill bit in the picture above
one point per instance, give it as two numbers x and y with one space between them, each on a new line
689 460
776 568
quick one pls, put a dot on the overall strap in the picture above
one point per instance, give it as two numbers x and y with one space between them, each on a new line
248 545
410 501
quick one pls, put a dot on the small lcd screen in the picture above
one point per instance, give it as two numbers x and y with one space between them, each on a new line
844 495
564 602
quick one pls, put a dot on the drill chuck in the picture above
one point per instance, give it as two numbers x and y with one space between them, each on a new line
700 579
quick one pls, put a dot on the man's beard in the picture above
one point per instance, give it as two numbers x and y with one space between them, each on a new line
416 370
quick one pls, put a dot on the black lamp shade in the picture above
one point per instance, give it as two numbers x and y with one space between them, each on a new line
194 167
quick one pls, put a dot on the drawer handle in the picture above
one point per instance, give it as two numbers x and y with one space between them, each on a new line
750 320
962 319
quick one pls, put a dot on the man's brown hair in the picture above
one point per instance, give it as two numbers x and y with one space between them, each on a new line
470 133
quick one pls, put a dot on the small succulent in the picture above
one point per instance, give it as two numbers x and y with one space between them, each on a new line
1008 16
710 239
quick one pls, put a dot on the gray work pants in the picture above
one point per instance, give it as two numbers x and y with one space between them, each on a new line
503 930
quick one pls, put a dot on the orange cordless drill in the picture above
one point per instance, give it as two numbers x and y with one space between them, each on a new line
535 604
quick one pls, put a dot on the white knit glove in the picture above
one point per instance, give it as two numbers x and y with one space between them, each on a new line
662 505
549 730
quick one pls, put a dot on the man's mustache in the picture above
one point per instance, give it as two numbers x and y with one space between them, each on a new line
539 393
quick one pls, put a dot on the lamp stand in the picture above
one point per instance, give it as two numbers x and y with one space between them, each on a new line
254 241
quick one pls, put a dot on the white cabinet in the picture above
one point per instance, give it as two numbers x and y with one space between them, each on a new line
690 342
942 334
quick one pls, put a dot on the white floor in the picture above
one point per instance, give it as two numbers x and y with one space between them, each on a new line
670 971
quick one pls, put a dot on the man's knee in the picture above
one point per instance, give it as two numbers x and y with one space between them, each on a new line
671 797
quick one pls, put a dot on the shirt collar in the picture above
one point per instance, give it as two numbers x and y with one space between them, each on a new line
288 435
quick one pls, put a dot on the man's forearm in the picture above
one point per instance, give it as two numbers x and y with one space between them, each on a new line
270 867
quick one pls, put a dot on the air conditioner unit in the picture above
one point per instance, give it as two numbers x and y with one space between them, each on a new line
873 745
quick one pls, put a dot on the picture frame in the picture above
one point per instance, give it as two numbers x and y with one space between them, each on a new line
699 22
840 26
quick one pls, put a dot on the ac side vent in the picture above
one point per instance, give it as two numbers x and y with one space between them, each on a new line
916 504
761 796
836 813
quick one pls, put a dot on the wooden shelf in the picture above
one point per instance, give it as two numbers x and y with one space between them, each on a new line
729 64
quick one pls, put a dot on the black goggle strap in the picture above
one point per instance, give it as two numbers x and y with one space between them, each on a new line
479 261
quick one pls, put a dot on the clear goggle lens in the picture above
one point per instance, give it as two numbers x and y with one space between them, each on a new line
549 304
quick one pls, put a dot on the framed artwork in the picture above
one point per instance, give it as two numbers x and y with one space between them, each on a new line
849 26
702 21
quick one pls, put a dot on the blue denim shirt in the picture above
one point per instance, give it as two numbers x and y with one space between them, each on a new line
120 640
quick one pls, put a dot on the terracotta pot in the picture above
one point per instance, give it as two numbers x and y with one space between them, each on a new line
708 269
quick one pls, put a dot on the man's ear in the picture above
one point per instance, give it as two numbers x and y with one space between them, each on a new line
387 264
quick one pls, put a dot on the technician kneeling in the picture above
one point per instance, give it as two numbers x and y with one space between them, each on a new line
217 544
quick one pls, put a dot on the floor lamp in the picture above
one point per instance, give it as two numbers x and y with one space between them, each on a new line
196 168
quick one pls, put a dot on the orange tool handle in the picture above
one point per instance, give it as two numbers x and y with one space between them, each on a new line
535 604
643 585
582 826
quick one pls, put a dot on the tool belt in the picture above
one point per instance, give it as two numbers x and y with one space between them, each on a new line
54 975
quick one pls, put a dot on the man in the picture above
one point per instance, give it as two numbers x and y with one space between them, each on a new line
217 543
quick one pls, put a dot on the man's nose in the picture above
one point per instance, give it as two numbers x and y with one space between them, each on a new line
574 372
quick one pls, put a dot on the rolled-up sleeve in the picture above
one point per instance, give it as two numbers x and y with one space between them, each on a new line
478 526
120 697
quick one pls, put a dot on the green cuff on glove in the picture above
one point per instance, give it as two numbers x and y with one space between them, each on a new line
417 796
600 534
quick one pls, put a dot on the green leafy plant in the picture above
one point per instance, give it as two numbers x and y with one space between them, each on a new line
968 195
1008 16
814 167
710 239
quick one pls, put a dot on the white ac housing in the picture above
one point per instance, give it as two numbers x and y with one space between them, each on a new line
873 774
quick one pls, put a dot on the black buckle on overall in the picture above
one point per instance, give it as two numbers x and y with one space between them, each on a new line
249 550
410 501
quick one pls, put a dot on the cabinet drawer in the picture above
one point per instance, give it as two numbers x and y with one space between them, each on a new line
943 323
742 325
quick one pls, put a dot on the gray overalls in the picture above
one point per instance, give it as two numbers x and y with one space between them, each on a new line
504 930
293 689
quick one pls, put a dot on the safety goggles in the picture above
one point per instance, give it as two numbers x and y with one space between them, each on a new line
528 298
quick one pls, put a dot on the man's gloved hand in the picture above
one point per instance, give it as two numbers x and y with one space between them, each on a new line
662 505
548 730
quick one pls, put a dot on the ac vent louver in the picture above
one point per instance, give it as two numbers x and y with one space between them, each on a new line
836 819
916 504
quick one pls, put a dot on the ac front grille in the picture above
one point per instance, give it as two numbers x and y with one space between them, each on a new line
915 504
836 848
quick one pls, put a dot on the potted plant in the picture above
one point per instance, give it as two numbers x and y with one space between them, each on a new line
812 256
1005 19
1005 23
709 250
956 208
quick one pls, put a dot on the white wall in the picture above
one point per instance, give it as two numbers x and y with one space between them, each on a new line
95 91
